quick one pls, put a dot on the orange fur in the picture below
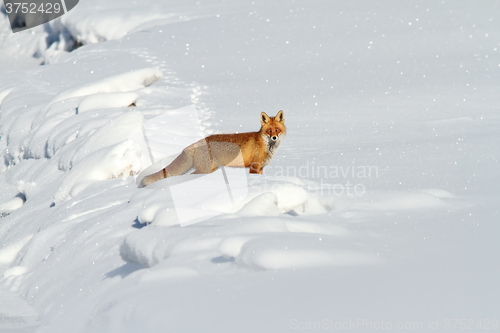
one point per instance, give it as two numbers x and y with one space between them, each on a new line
252 150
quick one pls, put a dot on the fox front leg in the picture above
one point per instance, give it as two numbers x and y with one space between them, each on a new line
256 167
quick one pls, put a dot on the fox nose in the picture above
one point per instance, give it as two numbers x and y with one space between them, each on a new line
274 138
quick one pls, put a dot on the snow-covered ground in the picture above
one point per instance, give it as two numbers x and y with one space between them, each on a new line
379 211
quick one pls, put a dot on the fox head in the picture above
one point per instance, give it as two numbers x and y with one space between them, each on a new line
273 128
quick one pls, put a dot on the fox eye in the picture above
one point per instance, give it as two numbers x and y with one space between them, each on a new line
277 131
269 131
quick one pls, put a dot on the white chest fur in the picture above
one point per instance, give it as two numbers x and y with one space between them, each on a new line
271 146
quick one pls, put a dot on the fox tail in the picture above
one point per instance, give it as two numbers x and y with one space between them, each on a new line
178 167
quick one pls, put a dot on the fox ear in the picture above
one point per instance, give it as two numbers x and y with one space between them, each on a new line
280 117
264 118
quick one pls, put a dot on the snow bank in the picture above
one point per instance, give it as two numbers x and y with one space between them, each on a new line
125 82
4 94
260 196
262 241
9 252
88 26
11 205
15 313
265 204
87 146
258 244
106 101
85 25
291 256
119 161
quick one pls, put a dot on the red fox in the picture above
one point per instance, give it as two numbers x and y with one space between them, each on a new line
252 150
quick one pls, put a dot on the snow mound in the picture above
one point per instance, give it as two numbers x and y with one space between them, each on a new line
274 226
88 26
173 203
4 94
125 82
258 246
265 204
16 314
264 257
12 205
109 100
277 197
119 161
135 251
15 271
9 253
224 238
